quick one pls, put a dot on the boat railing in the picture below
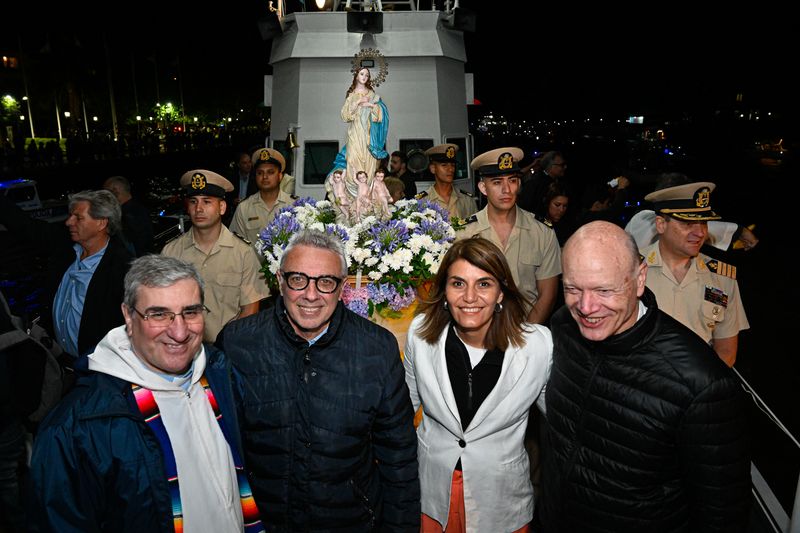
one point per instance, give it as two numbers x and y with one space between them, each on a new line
771 512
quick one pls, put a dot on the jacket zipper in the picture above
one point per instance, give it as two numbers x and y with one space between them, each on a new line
469 390
306 366
364 502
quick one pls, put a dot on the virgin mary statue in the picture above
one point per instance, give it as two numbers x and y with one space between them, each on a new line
368 124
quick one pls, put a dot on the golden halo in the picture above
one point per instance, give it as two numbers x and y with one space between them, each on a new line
379 62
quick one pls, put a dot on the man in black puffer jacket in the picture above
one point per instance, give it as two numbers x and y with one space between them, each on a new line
326 416
647 427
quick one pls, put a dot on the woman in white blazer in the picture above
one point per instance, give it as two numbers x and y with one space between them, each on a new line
476 368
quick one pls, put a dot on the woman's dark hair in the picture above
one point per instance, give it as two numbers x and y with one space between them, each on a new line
368 85
507 326
555 188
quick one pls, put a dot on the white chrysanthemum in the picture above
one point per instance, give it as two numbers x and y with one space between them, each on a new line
273 267
383 268
434 268
375 275
429 258
371 261
360 254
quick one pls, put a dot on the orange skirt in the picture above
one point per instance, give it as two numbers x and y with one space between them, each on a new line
456 517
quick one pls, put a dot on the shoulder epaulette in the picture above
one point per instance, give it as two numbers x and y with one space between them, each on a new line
293 196
544 220
421 195
242 238
467 193
470 220
723 269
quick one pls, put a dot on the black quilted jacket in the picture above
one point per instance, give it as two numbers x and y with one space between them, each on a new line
647 432
327 429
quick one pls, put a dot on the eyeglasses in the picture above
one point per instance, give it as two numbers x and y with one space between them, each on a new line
297 281
190 315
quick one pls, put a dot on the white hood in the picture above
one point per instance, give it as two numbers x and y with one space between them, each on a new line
115 356
209 490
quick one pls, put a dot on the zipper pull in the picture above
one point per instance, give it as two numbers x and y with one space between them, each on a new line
469 391
306 365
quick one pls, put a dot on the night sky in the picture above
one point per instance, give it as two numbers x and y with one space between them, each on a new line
546 60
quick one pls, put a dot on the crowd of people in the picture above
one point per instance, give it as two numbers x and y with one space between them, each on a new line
201 402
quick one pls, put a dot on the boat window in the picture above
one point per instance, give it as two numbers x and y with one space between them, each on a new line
318 160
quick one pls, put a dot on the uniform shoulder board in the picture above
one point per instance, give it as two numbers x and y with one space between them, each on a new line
293 196
421 195
470 220
467 193
543 220
247 242
723 269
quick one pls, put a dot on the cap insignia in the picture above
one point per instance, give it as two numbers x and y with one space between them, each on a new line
505 162
450 153
198 181
264 155
702 198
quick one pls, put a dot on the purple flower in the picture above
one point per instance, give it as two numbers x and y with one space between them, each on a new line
308 200
427 204
278 232
388 236
436 229
356 300
339 231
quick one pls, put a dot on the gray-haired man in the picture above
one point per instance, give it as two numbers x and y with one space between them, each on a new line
148 440
328 424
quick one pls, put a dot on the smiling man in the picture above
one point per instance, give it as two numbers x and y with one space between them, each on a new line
530 247
226 261
147 441
700 292
327 420
647 427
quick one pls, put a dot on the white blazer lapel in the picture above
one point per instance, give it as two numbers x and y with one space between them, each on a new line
443 380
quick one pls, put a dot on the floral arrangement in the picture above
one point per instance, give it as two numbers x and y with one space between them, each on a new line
389 258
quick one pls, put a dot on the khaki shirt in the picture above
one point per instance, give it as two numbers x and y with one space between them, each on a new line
532 250
252 215
706 302
461 204
231 274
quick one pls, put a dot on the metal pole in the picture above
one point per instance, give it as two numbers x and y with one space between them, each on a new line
25 85
180 90
58 121
111 89
85 121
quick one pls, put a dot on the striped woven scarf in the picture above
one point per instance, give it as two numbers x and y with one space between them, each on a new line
152 415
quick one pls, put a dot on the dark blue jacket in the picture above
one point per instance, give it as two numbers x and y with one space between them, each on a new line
97 465
328 428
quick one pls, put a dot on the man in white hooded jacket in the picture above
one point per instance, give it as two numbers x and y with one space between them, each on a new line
148 440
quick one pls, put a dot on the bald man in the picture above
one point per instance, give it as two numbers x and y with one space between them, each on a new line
647 427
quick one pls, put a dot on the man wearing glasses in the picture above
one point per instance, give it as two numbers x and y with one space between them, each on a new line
148 440
327 421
